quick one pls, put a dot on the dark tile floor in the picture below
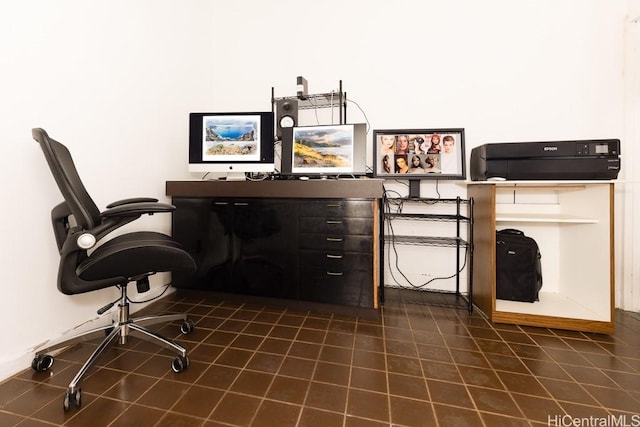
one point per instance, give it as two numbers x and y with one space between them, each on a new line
263 362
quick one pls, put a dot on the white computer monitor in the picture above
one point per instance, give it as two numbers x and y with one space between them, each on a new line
231 144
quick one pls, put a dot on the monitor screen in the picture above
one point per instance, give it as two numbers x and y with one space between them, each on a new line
231 143
325 150
418 154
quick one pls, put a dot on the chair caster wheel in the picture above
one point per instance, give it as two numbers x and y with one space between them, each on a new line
179 364
42 363
72 398
187 327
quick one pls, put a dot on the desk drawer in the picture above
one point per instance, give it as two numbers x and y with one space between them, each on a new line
336 225
337 208
336 242
353 288
335 263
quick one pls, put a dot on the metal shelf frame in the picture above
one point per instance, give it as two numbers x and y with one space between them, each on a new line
437 241
319 100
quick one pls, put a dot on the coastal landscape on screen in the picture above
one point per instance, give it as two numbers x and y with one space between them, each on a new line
230 136
323 147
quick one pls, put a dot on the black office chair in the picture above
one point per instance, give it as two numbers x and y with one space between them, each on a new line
89 262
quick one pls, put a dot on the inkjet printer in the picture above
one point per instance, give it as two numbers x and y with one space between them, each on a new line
554 160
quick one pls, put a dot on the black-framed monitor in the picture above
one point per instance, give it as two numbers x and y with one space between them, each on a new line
231 143
324 150
419 154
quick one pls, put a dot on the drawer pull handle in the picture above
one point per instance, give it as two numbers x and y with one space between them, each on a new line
334 222
334 239
331 273
221 203
334 256
241 204
333 205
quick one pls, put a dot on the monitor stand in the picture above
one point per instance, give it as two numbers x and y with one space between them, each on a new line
235 176
414 188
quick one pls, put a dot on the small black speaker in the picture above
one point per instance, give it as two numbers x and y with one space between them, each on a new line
286 115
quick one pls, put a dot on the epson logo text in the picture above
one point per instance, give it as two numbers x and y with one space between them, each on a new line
550 148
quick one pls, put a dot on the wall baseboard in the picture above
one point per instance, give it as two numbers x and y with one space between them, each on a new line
21 361
9 368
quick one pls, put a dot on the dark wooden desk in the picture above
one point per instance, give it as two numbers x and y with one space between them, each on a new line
315 240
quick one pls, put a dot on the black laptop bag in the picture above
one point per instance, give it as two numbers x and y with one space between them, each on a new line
518 267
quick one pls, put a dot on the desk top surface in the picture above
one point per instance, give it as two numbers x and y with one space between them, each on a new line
368 188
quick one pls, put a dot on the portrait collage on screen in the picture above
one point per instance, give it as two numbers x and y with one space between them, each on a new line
418 154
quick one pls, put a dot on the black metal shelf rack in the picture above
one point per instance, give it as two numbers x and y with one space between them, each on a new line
463 216
319 100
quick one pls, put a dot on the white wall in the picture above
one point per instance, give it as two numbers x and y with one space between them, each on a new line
504 70
628 201
115 81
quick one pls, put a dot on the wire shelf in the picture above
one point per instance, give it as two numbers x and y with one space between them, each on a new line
430 241
426 217
317 100
430 297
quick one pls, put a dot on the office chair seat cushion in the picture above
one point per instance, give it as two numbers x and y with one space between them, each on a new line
135 254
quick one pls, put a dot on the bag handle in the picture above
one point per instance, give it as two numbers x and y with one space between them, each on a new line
511 231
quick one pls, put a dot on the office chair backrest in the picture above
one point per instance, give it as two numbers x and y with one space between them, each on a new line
85 212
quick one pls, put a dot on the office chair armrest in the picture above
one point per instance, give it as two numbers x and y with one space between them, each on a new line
118 216
133 200
137 209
